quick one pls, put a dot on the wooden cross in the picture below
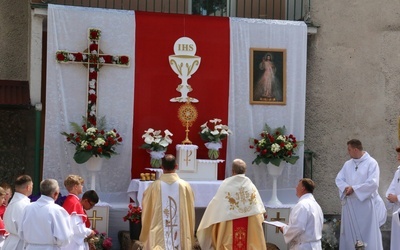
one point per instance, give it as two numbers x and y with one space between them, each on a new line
278 218
93 219
93 59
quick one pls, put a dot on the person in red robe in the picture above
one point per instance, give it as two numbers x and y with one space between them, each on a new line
74 185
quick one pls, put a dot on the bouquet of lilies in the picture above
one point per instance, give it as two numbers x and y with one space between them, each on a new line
156 144
213 136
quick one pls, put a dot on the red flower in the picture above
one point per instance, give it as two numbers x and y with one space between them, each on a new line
93 75
124 59
99 150
251 146
119 139
264 152
92 120
93 46
93 34
107 58
92 98
60 57
89 147
78 57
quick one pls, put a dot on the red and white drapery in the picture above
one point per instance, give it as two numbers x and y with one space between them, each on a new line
136 98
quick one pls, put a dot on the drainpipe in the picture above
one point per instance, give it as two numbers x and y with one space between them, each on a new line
36 170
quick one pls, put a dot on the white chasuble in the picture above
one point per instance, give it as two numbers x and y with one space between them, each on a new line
170 214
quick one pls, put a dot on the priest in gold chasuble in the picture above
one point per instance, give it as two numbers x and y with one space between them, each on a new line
234 217
168 217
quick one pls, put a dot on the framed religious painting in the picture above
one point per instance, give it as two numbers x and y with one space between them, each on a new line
268 76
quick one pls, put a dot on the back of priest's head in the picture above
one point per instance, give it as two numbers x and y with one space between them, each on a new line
169 162
48 187
238 166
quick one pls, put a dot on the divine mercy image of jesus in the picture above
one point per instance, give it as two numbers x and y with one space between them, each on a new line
268 77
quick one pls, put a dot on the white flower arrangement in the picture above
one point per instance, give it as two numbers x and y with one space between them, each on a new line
156 144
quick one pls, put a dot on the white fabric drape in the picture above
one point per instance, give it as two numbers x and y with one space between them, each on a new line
248 120
66 91
67 86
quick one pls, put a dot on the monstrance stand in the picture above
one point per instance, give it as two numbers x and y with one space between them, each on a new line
187 114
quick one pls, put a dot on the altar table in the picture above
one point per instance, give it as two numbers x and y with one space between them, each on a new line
203 191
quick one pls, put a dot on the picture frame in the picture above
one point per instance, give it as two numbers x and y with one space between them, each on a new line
268 76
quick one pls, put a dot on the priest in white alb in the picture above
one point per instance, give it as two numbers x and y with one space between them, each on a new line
363 210
168 217
13 215
234 216
393 196
45 224
304 231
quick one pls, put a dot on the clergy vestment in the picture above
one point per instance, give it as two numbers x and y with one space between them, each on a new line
160 213
12 221
3 233
304 231
45 225
74 207
236 200
394 188
364 211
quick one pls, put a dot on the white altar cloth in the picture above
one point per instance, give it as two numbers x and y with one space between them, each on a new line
203 191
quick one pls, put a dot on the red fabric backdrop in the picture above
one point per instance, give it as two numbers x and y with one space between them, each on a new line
155 81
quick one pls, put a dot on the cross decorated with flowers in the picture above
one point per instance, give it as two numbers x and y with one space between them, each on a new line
93 59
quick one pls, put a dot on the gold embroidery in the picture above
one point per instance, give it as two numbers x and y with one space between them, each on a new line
239 237
242 201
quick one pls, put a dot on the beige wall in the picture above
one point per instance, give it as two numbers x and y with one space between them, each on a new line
353 89
14 39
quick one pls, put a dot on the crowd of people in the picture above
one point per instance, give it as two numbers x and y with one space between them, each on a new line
43 224
232 220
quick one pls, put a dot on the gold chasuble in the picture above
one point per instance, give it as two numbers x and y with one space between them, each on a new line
233 219
172 233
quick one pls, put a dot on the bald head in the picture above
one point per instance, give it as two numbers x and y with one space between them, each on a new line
238 167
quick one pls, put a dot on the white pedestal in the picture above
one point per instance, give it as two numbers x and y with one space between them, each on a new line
272 233
186 157
192 169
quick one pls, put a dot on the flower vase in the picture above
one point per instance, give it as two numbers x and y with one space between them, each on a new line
93 165
275 172
156 158
134 230
213 149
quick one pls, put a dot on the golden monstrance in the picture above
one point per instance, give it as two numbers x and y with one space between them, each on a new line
187 114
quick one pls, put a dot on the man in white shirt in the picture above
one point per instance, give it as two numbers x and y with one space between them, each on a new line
46 225
363 210
393 196
13 215
304 231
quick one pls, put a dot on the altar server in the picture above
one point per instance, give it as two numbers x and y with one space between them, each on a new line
73 205
393 196
46 225
168 211
304 231
363 210
13 215
234 216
